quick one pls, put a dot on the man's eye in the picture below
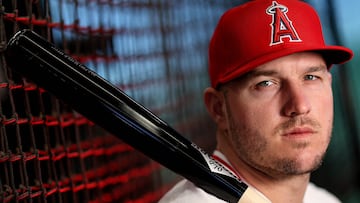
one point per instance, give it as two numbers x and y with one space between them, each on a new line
311 77
265 83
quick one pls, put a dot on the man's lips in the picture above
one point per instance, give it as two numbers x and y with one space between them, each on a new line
299 132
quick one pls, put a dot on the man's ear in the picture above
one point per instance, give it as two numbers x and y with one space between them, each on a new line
215 104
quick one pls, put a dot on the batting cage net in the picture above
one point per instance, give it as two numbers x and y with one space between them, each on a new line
154 50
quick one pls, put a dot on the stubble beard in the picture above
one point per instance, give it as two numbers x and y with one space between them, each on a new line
251 148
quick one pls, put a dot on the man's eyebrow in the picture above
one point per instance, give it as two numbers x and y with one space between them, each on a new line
319 68
256 73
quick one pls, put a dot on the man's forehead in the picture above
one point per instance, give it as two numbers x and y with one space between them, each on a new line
268 71
302 59
271 69
311 62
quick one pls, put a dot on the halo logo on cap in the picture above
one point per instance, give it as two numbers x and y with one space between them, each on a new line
281 25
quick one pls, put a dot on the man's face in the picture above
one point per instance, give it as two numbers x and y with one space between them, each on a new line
280 115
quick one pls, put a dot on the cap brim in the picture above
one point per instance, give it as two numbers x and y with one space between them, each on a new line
336 54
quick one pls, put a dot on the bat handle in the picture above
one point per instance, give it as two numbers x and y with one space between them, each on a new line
253 196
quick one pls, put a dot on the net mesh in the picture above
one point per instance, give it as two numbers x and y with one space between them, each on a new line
154 50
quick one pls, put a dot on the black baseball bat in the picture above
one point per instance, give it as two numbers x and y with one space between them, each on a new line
106 105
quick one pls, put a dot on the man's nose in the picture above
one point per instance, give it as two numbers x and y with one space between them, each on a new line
296 100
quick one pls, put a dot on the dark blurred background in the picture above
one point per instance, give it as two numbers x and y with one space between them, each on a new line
156 51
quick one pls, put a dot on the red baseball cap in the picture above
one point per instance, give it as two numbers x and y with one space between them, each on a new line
262 30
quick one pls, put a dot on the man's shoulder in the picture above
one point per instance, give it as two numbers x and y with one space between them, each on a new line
186 191
317 194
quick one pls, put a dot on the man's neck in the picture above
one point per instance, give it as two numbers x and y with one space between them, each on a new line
279 190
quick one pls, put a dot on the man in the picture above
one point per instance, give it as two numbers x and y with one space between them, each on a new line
271 99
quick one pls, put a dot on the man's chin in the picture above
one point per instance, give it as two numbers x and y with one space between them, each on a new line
294 167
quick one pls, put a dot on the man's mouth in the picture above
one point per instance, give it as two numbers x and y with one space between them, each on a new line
299 132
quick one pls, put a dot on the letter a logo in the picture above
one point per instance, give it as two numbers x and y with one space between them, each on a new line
281 26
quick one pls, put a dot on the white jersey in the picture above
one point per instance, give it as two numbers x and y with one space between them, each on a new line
186 191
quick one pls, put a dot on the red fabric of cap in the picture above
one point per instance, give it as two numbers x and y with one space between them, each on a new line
262 30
